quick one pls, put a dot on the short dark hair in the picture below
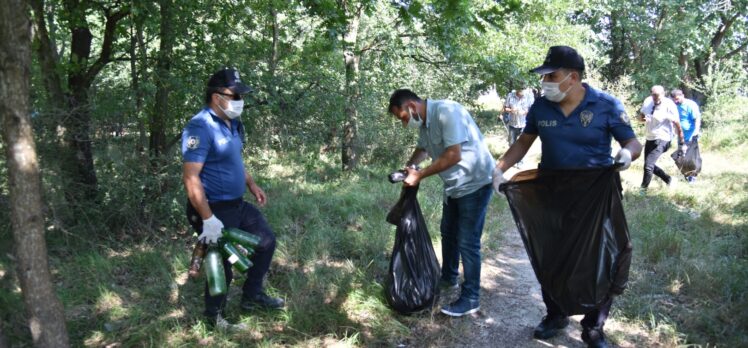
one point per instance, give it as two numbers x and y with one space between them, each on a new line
209 93
676 92
579 72
400 97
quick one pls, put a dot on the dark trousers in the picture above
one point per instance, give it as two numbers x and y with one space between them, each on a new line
514 133
593 319
694 142
245 216
653 149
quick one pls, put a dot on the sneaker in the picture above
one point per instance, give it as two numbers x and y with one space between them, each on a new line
642 191
220 323
691 179
550 326
262 300
448 286
461 307
594 337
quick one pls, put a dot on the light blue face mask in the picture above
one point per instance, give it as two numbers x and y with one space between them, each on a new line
552 92
413 122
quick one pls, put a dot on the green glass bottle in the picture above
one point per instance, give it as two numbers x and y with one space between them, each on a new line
214 271
240 262
246 239
198 254
244 251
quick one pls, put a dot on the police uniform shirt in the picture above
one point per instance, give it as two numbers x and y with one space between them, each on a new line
447 124
583 139
207 139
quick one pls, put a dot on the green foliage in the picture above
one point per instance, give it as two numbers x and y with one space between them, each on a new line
133 242
670 43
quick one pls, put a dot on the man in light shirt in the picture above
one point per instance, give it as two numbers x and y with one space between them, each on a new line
517 105
460 157
690 122
662 120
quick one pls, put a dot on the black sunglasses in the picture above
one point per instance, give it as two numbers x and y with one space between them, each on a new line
233 96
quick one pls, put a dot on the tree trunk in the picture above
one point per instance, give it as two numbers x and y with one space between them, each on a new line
157 121
45 314
352 92
136 33
78 159
77 155
685 84
48 59
3 340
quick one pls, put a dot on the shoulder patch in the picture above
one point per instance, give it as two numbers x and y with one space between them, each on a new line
193 142
624 117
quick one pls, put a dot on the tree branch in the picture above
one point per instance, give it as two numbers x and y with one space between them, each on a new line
729 55
106 47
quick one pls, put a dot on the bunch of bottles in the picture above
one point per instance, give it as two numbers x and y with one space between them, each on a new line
236 246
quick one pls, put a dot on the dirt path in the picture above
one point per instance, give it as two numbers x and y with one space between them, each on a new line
511 303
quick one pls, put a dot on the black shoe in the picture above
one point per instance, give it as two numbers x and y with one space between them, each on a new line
461 307
218 322
594 337
447 286
550 326
262 300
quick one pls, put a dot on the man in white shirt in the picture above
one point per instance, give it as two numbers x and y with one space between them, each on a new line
662 120
517 104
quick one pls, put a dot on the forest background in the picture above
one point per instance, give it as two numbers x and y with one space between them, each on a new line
104 89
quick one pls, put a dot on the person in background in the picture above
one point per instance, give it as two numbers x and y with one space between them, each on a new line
215 179
448 134
575 123
661 117
690 121
517 104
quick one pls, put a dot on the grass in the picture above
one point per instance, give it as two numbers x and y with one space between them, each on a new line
690 268
687 281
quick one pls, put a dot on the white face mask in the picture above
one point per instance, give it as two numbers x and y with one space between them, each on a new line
552 92
235 108
413 122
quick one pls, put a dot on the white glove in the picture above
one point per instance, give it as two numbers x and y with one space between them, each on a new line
683 148
498 179
624 158
211 230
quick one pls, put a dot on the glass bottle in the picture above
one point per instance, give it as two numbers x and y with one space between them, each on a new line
246 239
244 251
214 271
198 254
239 261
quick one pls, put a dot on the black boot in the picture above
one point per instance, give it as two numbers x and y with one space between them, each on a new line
594 337
550 326
262 300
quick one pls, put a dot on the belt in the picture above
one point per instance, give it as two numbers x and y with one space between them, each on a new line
220 205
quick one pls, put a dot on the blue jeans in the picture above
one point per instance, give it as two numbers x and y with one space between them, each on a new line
461 228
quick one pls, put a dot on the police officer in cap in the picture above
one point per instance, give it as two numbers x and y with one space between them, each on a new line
215 179
575 123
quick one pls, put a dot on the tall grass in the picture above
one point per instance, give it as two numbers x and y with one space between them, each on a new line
690 268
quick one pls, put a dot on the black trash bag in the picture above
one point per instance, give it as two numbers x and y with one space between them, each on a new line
575 233
689 163
412 282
